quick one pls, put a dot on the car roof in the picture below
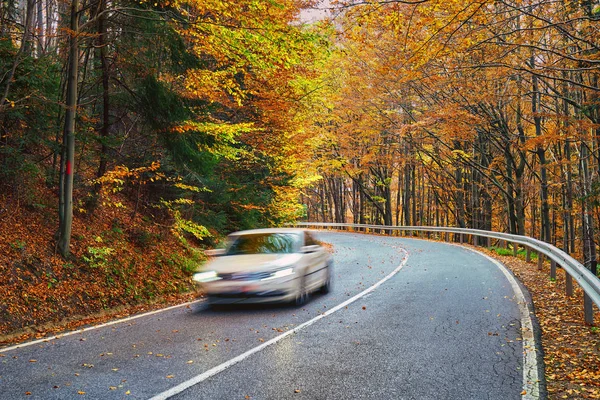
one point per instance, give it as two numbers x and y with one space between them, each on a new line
269 230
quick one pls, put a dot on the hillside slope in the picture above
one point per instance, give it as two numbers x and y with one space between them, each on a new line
119 264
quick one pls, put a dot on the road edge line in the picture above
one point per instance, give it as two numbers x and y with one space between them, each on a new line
531 379
103 325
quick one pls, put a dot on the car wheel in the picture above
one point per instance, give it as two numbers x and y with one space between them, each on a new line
301 294
326 288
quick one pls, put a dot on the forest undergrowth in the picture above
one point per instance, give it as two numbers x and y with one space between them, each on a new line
119 264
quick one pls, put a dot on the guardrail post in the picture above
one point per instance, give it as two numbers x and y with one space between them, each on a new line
527 254
515 249
474 240
588 309
540 261
552 269
569 285
489 242
461 238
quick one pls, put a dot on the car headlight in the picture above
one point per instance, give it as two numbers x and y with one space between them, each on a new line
280 274
207 276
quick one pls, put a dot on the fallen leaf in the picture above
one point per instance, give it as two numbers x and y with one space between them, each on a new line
170 376
80 392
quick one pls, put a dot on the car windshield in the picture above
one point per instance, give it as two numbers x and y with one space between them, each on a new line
262 243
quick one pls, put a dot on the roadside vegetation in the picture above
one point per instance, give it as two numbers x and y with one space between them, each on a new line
571 349
118 265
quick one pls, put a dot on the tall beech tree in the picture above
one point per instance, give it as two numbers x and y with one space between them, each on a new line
67 164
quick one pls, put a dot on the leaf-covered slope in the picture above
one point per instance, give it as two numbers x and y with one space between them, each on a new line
118 264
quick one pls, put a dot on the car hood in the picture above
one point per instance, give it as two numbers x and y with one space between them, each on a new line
251 262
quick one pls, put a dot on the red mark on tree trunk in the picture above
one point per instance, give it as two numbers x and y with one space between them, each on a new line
69 168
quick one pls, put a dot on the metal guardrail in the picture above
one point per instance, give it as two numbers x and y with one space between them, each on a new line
574 269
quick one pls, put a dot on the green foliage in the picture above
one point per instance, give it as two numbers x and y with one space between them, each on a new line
98 257
29 121
161 107
143 238
52 281
188 264
521 253
18 245
183 225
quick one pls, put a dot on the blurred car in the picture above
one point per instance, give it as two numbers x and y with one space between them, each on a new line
266 265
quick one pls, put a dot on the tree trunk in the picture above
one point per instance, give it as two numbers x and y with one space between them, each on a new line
40 28
105 129
541 153
589 246
407 194
67 163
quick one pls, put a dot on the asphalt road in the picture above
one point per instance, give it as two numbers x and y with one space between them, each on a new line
444 324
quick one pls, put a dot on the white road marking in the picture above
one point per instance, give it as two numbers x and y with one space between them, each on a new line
531 379
90 328
222 367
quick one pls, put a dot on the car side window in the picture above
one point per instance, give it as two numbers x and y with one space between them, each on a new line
269 243
309 240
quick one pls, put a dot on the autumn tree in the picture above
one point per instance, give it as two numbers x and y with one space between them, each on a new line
485 100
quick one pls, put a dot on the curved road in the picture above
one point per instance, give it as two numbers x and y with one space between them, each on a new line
406 319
